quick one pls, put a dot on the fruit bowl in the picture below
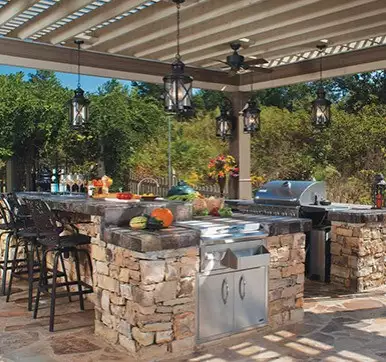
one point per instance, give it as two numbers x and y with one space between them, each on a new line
148 197
124 196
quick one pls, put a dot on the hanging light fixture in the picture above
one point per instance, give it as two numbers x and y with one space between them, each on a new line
178 86
78 105
321 107
225 122
251 114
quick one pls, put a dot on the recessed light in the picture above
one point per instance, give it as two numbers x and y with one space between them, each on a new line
245 40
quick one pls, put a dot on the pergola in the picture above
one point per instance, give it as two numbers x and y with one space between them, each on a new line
135 40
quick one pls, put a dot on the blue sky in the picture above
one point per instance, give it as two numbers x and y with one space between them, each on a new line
89 83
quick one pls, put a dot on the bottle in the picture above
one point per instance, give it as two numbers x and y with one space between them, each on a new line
54 181
62 182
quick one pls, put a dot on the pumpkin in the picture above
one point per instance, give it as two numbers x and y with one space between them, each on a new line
164 215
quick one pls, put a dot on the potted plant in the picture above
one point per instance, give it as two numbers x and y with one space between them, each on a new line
220 167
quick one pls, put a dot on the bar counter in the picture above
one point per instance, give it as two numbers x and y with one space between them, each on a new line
145 289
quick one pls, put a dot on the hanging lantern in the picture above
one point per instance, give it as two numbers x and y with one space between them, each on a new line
225 122
251 117
378 192
79 109
178 90
178 86
321 110
321 107
79 104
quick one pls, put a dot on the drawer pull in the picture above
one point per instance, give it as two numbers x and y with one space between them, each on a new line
242 284
226 287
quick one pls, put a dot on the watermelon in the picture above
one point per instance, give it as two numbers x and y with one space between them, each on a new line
138 222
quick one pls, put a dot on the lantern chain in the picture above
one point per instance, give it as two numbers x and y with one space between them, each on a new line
321 51
78 65
178 56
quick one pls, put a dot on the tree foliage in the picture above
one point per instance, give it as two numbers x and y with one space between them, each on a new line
128 130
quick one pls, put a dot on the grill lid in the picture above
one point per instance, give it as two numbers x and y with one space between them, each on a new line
291 193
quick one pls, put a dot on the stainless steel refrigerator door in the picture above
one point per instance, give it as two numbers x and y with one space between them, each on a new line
216 297
251 297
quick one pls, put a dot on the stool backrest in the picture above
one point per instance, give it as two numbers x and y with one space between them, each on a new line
7 212
45 221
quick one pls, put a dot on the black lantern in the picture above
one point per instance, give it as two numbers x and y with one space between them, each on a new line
225 122
178 86
79 104
321 110
321 107
379 191
251 117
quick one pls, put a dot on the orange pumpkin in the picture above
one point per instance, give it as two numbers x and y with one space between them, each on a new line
163 214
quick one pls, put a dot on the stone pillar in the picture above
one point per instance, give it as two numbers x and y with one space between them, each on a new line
240 149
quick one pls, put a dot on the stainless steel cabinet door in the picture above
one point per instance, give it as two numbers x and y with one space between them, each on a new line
215 314
250 297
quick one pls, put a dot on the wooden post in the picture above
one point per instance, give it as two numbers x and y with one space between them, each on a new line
240 149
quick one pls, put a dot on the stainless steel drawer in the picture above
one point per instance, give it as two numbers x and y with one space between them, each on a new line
246 259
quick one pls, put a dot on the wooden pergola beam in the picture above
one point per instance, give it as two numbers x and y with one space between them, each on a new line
64 59
364 60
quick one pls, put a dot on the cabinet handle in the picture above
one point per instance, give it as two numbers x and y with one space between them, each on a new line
226 287
242 284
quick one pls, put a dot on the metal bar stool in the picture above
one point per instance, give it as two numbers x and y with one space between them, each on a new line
61 247
6 227
25 235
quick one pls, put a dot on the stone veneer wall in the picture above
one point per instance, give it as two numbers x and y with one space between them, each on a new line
286 279
145 301
358 255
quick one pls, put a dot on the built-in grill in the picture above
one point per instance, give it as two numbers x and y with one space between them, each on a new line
233 277
305 199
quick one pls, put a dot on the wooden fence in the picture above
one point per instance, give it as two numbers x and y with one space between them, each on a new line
149 185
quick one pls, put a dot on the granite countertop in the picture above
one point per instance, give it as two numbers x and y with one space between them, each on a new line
146 241
358 216
177 237
114 212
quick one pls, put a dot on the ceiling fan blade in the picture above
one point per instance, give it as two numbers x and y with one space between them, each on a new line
220 61
256 61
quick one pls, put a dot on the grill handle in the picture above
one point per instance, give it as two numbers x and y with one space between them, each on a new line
226 287
242 285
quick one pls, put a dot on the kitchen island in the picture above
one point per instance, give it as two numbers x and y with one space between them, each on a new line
145 283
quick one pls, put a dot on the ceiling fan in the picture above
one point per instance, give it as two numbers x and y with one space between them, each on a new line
236 63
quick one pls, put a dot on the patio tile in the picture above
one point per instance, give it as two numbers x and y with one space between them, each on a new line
70 345
355 332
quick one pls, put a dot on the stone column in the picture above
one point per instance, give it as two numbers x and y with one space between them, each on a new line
240 149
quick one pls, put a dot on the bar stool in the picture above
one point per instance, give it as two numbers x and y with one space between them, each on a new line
25 235
60 246
6 227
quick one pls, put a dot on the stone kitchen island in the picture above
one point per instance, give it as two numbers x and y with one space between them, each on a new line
145 283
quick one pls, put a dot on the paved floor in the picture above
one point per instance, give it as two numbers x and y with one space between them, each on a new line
338 327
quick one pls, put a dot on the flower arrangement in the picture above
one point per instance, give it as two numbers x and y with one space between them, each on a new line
221 166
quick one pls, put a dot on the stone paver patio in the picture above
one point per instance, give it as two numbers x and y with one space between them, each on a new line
338 327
